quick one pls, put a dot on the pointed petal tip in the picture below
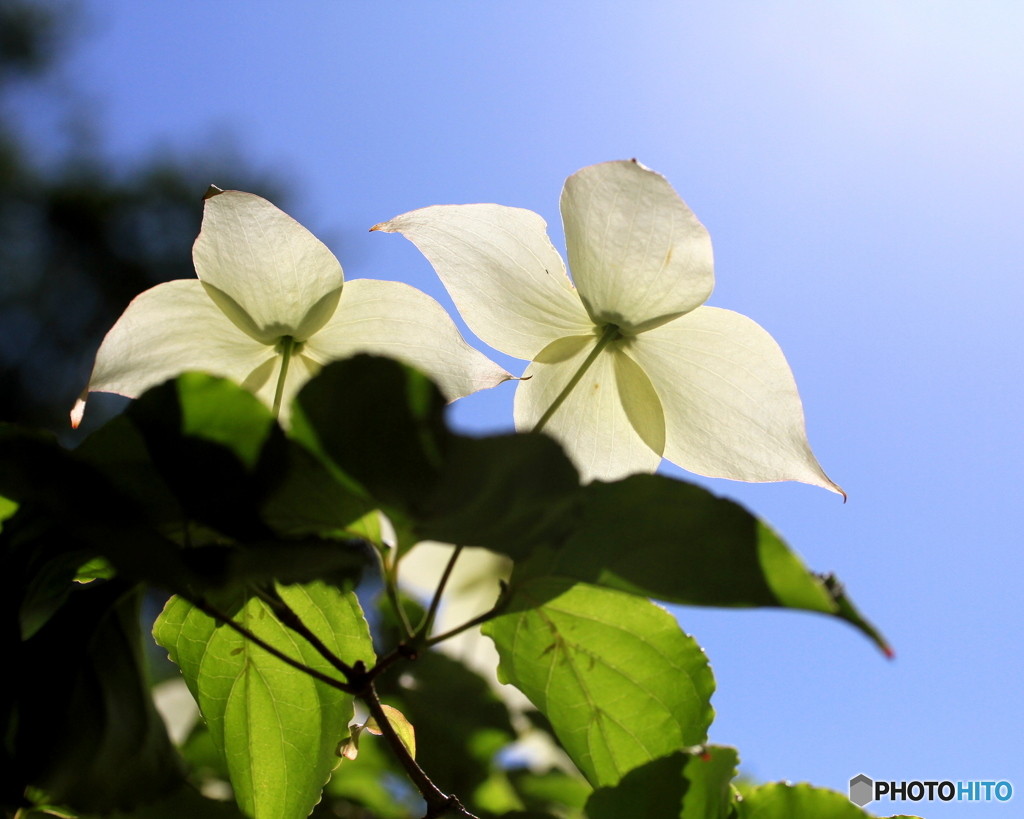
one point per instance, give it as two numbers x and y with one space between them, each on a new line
829 484
211 192
383 227
78 411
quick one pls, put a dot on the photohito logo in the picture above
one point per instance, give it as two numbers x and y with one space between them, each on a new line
863 789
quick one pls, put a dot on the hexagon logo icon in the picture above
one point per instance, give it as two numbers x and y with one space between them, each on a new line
862 790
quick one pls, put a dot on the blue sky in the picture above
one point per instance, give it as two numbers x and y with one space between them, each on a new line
859 167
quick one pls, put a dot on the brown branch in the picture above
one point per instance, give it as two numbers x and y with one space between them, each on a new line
438 803
220 617
286 614
490 614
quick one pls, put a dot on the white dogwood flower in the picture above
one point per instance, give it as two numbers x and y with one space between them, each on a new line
629 365
269 308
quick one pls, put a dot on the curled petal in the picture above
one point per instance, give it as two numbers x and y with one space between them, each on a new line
594 423
502 271
732 409
167 330
396 320
270 275
637 253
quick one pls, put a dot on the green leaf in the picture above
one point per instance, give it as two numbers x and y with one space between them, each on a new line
676 542
310 500
205 435
216 449
780 800
185 801
7 509
619 680
69 514
552 790
98 568
277 728
709 794
403 728
508 493
118 450
86 731
380 422
680 786
218 410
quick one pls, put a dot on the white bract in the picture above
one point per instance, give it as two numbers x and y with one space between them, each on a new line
628 366
269 309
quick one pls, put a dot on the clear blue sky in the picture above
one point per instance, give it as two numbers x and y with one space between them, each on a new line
859 167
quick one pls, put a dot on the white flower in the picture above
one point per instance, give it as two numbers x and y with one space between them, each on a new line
270 308
628 366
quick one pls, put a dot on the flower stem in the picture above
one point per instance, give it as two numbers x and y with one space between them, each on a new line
611 332
287 344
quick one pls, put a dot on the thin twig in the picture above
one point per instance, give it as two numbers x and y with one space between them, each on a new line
220 617
286 614
428 621
490 614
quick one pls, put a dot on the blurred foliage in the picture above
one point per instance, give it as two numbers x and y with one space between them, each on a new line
83 235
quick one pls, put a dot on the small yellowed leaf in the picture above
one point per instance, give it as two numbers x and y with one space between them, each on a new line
402 727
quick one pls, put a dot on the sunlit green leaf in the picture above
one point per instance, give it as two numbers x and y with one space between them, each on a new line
677 542
277 728
619 680
780 800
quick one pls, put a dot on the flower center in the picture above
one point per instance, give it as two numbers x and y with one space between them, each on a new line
609 333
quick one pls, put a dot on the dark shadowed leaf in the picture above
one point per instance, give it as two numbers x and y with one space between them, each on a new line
205 436
680 786
88 734
551 790
677 542
508 493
